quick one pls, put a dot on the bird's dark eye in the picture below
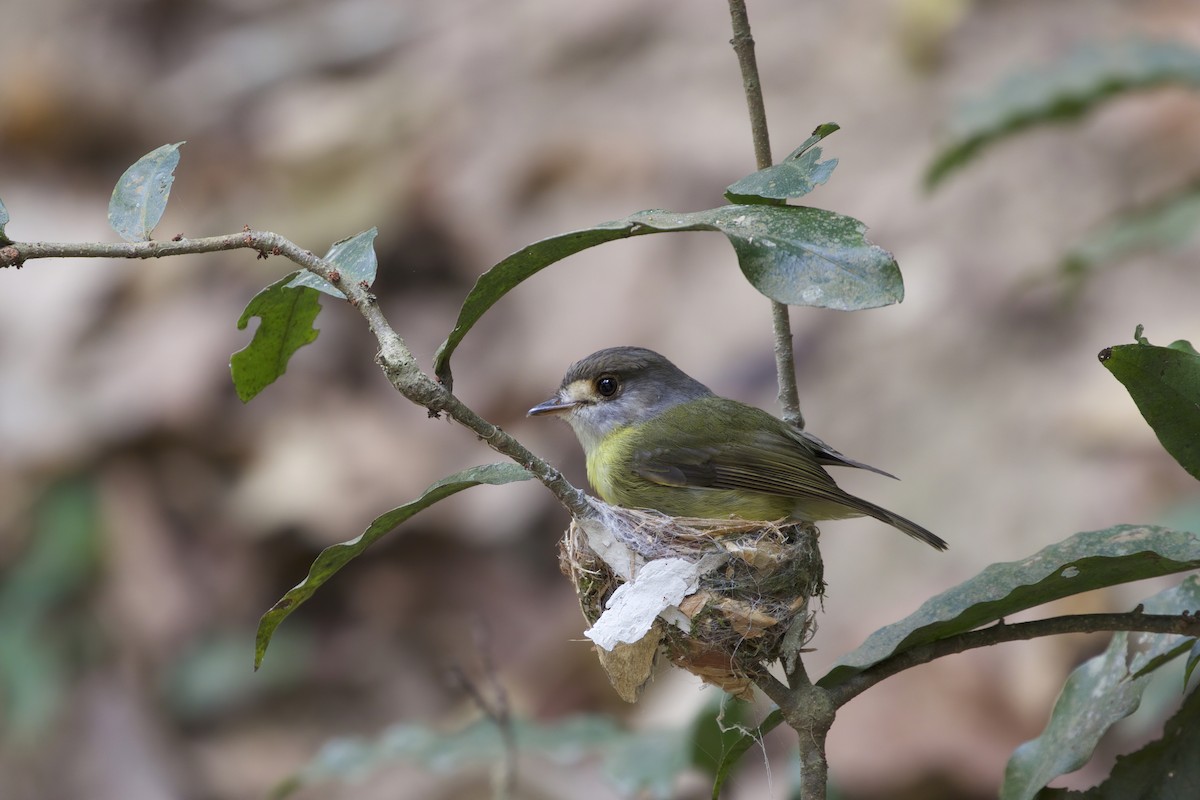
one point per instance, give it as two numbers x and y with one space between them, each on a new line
607 385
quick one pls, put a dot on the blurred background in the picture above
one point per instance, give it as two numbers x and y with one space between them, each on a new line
148 518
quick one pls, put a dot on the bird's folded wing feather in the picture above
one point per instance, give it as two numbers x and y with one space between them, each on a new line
827 455
771 464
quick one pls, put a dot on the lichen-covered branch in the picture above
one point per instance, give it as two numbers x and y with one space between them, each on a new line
394 357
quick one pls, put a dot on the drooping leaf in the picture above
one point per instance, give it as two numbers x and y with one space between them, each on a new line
736 749
792 254
1192 660
795 176
336 556
1080 563
140 196
1164 382
1168 222
1065 90
355 259
1166 769
1098 694
3 221
287 316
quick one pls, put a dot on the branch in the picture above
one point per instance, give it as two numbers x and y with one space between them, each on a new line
808 710
1183 624
394 357
743 47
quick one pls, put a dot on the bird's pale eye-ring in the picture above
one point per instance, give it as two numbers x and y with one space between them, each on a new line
607 385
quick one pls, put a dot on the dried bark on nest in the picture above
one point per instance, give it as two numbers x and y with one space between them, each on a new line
746 603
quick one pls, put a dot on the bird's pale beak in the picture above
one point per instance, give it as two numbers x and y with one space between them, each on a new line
555 405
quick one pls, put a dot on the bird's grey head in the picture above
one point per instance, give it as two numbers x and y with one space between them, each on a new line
616 387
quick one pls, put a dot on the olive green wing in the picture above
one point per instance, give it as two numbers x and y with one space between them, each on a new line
827 455
767 463
740 451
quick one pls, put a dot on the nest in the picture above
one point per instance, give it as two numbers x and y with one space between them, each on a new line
742 601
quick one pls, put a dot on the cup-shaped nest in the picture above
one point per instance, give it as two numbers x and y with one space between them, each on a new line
736 597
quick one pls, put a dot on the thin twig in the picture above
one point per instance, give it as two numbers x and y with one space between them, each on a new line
743 47
394 357
494 705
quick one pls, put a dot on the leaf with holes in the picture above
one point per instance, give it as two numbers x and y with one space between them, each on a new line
287 315
795 176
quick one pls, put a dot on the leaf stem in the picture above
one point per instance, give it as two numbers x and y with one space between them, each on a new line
394 357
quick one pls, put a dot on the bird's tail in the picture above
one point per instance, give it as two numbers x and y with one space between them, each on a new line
900 523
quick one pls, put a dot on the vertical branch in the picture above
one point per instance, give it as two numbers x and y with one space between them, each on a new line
743 47
806 708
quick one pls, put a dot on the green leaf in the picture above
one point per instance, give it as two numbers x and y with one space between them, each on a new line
1192 660
334 557
355 259
565 741
795 176
1065 90
1168 222
287 316
140 196
718 726
3 221
792 254
1098 694
1166 769
42 584
1184 346
647 764
737 748
1080 563
1164 382
642 764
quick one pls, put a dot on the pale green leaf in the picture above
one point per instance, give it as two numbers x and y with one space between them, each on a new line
1101 692
140 196
1064 90
795 176
355 259
1169 222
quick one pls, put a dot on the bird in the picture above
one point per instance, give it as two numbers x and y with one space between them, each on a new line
656 438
